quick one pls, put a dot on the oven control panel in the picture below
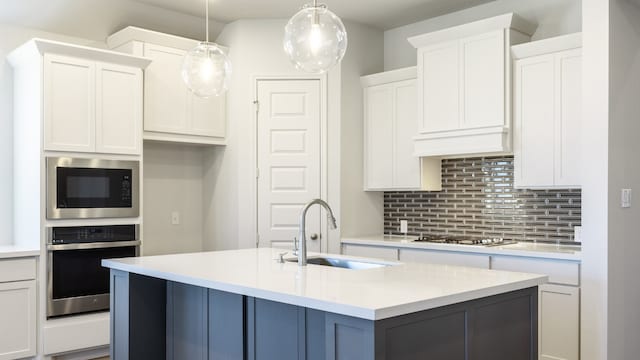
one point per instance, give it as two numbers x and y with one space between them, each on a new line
88 234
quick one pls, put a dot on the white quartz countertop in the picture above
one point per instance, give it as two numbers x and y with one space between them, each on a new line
372 294
526 249
16 251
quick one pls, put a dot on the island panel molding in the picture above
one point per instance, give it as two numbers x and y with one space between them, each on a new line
498 327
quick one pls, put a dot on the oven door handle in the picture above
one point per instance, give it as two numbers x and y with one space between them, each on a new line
93 245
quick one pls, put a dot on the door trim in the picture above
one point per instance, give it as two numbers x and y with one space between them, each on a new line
324 150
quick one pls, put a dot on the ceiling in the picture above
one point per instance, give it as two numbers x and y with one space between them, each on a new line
95 19
383 14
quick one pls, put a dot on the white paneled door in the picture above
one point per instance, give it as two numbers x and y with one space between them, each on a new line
289 160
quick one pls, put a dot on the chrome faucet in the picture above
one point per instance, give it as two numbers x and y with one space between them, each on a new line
302 237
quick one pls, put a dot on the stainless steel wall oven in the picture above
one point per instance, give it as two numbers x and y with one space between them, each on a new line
76 281
92 188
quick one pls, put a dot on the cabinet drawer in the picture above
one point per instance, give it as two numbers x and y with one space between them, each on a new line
17 269
445 258
559 272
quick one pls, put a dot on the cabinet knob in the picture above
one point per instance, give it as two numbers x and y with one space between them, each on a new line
314 236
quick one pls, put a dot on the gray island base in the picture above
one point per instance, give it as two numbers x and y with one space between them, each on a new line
155 319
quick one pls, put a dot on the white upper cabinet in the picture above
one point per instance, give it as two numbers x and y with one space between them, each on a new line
390 123
171 111
165 103
118 109
69 104
91 106
547 102
91 99
463 87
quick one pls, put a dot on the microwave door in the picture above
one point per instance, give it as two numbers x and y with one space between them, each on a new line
89 188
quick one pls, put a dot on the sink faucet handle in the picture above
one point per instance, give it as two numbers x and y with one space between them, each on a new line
295 246
281 257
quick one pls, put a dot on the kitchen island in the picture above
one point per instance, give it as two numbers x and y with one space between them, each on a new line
244 304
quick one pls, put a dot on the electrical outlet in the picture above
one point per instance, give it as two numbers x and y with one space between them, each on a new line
175 218
404 227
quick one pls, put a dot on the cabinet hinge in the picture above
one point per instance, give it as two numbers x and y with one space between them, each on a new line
257 240
257 173
257 104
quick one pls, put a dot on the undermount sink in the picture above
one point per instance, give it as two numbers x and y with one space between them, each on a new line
342 263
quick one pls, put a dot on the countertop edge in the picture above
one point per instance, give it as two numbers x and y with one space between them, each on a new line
9 252
494 250
322 305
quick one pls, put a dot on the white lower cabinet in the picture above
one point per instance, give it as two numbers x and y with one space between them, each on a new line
18 310
445 257
171 112
376 252
559 322
558 304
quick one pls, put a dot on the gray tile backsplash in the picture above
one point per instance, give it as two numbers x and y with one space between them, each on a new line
478 199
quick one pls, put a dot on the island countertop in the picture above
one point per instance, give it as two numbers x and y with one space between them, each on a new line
371 294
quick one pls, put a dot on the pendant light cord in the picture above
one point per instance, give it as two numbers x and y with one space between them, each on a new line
206 11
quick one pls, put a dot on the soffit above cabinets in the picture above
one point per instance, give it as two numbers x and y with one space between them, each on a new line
382 14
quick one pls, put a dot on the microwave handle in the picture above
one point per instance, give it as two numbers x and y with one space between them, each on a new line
93 245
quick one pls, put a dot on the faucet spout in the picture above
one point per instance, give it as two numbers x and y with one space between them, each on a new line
302 237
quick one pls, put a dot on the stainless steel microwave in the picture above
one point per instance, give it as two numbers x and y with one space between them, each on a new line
92 188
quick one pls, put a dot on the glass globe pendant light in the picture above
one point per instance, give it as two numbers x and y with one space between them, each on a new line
315 39
206 69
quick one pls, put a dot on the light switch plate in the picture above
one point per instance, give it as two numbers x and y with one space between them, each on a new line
577 233
175 218
625 198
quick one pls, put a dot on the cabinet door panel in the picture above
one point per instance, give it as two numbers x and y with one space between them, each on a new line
559 322
69 104
445 258
18 314
568 118
534 122
187 322
378 137
406 166
483 80
165 105
279 330
118 109
439 87
207 116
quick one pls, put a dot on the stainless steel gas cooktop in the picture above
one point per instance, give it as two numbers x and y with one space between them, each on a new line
464 240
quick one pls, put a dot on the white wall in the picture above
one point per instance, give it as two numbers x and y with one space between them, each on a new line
362 212
173 182
610 295
554 17
255 50
595 91
12 37
624 172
